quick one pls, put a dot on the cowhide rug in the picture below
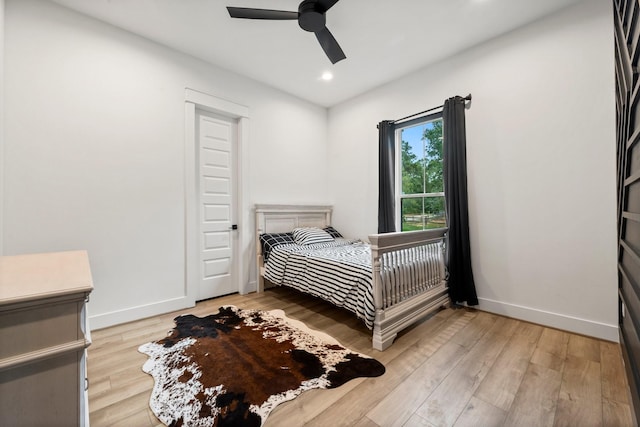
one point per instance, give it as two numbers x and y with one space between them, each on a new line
236 366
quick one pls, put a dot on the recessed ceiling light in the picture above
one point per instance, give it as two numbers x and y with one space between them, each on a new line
326 76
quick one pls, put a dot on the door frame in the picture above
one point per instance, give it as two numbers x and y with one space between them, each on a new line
198 100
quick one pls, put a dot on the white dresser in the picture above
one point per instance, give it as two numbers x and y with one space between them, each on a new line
43 339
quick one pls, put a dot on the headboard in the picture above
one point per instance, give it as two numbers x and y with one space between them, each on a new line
283 219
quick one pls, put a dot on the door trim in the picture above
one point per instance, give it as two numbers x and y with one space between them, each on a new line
199 100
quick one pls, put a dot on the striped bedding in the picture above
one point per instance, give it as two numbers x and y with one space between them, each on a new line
337 271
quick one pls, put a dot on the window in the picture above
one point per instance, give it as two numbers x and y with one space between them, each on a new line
420 185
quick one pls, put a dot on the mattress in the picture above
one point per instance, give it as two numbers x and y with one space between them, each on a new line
338 271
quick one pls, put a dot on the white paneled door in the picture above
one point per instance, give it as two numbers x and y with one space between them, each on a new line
217 145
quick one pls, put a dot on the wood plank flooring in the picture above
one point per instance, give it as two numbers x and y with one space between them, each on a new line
458 368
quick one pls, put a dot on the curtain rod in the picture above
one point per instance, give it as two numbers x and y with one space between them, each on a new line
466 98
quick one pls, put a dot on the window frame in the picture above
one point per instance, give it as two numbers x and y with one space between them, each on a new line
398 166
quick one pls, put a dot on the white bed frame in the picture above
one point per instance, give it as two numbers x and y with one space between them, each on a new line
400 299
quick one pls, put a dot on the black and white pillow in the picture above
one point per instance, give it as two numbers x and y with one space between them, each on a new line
310 235
271 240
333 232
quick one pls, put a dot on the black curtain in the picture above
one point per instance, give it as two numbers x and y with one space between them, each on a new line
386 177
461 285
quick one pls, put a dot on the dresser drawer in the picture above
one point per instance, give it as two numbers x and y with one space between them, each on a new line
43 393
38 326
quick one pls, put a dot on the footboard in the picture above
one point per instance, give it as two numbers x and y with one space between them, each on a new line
409 280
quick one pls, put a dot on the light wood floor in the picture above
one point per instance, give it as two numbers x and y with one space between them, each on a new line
458 368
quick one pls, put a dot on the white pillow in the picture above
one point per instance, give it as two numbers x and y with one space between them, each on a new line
310 235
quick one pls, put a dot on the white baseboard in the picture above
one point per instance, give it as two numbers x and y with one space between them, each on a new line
105 320
553 320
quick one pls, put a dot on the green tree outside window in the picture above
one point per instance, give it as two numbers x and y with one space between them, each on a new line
422 198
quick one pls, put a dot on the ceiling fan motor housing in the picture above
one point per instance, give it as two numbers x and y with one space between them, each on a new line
310 19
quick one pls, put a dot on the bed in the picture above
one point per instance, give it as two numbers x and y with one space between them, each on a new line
390 282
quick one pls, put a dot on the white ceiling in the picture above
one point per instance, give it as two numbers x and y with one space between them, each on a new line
382 39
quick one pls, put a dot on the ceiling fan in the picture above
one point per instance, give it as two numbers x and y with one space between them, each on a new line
310 16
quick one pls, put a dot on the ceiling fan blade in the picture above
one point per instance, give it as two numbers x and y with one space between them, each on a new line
326 4
249 13
330 45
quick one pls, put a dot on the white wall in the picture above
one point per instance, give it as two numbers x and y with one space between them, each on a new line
95 152
541 165
1 116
